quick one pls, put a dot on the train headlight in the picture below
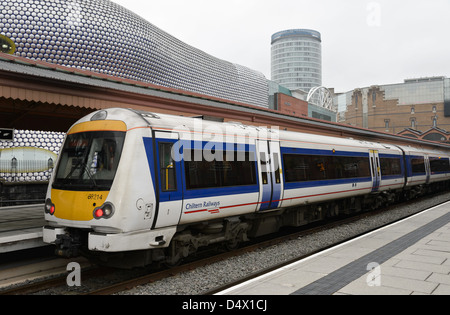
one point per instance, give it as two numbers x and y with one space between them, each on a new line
107 210
49 207
101 115
104 212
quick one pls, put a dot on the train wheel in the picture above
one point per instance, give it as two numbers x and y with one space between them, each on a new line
235 242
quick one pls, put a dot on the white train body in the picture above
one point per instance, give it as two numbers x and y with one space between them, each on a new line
130 181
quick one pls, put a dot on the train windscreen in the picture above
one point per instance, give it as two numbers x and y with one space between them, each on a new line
89 161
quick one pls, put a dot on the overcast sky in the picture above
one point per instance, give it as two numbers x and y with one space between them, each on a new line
363 42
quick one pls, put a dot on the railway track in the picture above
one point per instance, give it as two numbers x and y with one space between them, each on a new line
95 272
25 276
132 279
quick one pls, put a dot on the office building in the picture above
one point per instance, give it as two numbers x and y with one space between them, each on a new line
296 59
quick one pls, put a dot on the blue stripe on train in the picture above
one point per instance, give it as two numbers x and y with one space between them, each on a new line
205 192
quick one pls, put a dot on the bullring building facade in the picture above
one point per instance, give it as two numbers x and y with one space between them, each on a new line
101 36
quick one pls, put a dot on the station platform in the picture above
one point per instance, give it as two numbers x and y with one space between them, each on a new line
21 227
410 257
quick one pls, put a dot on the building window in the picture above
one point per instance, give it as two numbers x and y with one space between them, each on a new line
434 109
386 124
413 123
413 110
434 121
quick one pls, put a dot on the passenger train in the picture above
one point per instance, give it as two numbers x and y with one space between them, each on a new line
141 188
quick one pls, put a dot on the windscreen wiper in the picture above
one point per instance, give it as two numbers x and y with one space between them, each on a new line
88 172
85 169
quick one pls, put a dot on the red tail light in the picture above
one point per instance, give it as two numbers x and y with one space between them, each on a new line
104 212
49 207
98 213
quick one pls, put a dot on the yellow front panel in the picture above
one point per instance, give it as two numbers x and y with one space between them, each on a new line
77 205
110 125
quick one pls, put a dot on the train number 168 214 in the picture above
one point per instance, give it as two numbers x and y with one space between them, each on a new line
95 197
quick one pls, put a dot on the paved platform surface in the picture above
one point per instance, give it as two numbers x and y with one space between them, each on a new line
21 227
411 257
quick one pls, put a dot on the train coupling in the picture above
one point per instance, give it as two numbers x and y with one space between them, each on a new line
67 246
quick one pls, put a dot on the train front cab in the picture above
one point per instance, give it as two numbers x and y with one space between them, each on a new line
101 195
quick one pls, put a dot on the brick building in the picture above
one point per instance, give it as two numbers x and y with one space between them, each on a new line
417 108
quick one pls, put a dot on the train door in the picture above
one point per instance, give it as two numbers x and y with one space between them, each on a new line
375 170
427 168
269 164
169 179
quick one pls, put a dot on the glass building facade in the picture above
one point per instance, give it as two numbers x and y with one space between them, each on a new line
416 91
101 36
447 97
297 59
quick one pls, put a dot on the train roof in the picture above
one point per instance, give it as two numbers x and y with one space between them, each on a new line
166 122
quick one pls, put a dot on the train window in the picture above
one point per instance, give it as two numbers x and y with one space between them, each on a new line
299 168
89 160
418 165
167 167
390 166
264 178
296 167
439 164
264 167
232 170
277 170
